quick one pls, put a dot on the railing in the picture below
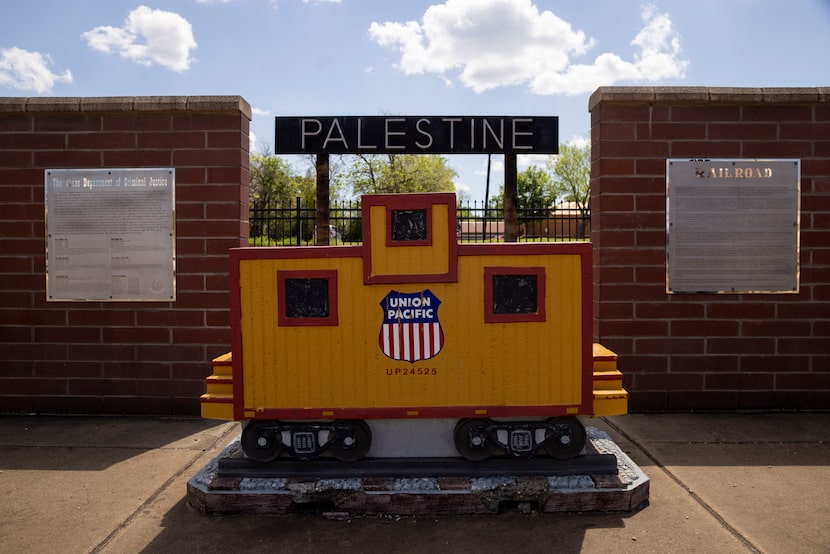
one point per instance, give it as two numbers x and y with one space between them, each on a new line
272 225
536 223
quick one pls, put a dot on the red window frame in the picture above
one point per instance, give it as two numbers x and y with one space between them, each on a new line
406 207
492 317
328 274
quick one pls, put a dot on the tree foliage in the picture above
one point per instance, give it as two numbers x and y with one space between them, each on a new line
274 182
394 173
535 187
571 170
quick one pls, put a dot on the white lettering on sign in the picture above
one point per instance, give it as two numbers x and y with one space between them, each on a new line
360 145
419 134
410 308
423 132
390 133
307 133
733 173
517 133
335 125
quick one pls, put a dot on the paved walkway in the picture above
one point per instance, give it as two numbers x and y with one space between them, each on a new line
719 483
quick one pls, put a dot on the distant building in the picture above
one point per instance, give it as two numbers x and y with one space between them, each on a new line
565 220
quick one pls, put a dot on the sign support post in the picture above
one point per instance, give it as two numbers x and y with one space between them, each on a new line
511 199
321 216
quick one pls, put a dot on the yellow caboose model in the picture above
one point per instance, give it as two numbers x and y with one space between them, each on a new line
327 342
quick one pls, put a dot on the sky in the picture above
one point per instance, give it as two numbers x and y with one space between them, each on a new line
409 57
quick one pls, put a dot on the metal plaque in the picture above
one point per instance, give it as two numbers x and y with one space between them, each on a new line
110 234
732 226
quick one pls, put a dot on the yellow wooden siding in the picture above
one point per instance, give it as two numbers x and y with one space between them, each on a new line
410 260
480 364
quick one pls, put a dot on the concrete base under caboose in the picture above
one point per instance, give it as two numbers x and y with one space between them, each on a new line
412 438
624 491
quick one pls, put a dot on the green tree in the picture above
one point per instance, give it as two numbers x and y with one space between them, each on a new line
571 170
394 173
536 191
274 182
535 188
572 173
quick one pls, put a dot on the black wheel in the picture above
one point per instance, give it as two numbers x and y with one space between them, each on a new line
352 439
261 440
565 437
472 439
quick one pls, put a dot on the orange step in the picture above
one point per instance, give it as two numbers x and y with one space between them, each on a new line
610 398
217 402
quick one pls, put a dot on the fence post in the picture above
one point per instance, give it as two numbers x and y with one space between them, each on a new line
299 219
485 223
321 218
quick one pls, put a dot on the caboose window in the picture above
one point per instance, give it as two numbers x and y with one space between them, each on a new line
514 294
409 225
307 297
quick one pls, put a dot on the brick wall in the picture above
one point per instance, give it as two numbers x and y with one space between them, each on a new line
101 357
707 351
678 352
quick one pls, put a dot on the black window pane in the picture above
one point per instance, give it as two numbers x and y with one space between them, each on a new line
306 297
409 224
514 294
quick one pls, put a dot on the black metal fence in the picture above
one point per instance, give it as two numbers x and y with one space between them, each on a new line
272 225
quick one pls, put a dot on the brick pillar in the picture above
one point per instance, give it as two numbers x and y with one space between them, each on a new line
116 357
678 352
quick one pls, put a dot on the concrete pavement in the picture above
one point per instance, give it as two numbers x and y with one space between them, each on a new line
719 483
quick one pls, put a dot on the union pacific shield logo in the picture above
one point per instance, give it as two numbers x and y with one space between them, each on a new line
411 330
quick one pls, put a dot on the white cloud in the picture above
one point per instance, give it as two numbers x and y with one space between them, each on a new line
659 46
148 37
580 141
527 160
496 43
29 71
260 111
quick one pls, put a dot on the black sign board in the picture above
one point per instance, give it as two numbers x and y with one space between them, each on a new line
417 135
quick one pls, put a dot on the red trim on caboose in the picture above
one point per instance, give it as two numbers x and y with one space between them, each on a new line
410 201
390 211
587 329
416 412
235 255
330 275
292 252
524 248
492 317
